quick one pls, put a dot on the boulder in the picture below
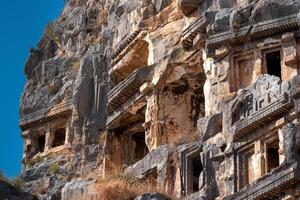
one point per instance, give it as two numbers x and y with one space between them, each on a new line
152 196
157 164
79 189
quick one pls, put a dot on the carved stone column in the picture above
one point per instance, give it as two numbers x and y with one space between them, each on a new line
259 159
48 139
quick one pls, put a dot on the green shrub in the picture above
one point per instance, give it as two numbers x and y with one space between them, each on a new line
102 138
18 182
76 65
52 35
52 89
54 168
34 161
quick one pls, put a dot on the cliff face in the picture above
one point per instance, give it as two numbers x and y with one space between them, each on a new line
198 97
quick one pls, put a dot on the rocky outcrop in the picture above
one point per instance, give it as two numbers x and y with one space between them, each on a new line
194 99
79 189
8 192
158 164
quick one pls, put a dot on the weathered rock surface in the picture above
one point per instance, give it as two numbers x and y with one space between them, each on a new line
152 196
199 98
79 189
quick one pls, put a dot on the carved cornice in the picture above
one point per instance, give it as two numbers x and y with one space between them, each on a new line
46 114
254 31
191 32
126 44
269 186
127 88
126 95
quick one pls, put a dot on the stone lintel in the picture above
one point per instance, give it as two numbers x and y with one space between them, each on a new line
126 44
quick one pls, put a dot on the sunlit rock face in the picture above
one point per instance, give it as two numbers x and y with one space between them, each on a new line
198 99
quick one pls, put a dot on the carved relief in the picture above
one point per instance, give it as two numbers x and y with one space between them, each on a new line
259 103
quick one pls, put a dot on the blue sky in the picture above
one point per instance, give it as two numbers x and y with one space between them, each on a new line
22 24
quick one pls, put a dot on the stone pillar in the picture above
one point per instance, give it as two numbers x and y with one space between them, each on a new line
217 84
258 65
281 149
178 184
67 140
26 150
289 56
48 139
289 142
208 66
230 186
279 124
223 76
259 159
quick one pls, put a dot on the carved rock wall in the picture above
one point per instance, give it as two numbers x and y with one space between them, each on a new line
202 96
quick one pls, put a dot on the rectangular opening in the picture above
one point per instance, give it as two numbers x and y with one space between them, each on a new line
140 149
273 63
41 140
194 169
272 155
197 169
59 137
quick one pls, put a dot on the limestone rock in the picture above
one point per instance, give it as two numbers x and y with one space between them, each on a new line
209 126
152 196
193 98
155 162
79 189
